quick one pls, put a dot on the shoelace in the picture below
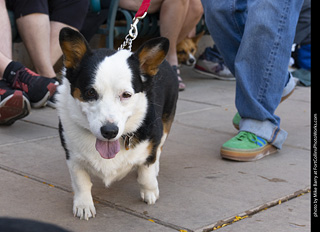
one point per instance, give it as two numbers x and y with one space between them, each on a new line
25 79
243 135
251 137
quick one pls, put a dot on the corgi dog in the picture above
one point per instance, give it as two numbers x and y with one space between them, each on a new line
187 49
115 110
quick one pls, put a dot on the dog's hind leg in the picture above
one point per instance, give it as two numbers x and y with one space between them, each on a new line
83 206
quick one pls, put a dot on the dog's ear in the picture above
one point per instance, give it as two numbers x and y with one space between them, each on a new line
151 54
74 46
197 38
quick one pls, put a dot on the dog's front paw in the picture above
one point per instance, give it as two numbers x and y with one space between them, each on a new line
84 210
149 196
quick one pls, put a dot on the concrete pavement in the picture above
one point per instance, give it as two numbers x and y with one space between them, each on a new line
199 191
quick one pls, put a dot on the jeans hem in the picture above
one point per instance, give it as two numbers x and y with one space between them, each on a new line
266 130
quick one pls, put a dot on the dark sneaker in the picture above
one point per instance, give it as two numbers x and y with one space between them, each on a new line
52 100
39 89
246 146
210 63
14 104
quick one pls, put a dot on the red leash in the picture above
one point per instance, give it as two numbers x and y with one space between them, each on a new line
143 8
133 32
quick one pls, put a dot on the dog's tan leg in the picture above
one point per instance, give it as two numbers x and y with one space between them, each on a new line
83 206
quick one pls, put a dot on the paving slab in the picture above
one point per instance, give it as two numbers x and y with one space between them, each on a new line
22 132
46 117
197 187
23 197
201 89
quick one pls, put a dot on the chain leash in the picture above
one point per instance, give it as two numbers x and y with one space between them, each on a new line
133 32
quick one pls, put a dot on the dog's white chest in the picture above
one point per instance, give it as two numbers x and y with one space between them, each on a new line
110 170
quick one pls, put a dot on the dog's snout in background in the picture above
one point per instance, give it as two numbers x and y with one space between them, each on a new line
191 60
187 49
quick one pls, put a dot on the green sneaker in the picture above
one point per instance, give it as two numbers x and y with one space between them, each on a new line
246 146
236 120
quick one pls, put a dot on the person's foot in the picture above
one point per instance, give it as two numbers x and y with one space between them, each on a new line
287 91
52 100
213 69
246 146
236 120
182 86
14 104
39 89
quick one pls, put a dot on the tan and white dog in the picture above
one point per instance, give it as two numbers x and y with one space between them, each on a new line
187 49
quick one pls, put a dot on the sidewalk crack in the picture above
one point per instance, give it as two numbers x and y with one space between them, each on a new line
248 213
29 141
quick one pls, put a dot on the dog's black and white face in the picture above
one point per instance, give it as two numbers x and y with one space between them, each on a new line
108 88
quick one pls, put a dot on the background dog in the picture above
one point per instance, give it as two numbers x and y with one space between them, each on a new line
187 49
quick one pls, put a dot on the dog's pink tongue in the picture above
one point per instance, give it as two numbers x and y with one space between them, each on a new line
107 149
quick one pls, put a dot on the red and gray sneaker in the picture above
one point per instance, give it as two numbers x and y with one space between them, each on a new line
14 104
39 89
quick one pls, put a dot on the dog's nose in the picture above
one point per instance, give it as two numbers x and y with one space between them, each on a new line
109 131
191 60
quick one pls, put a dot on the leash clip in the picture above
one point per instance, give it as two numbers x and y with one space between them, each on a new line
133 32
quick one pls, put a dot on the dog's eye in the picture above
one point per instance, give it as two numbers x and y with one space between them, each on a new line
126 95
91 94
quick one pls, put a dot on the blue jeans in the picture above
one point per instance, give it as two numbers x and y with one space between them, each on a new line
255 39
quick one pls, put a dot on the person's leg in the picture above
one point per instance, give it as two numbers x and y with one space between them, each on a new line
4 61
40 26
258 55
193 16
14 104
5 38
55 50
172 18
64 14
19 84
261 66
34 30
